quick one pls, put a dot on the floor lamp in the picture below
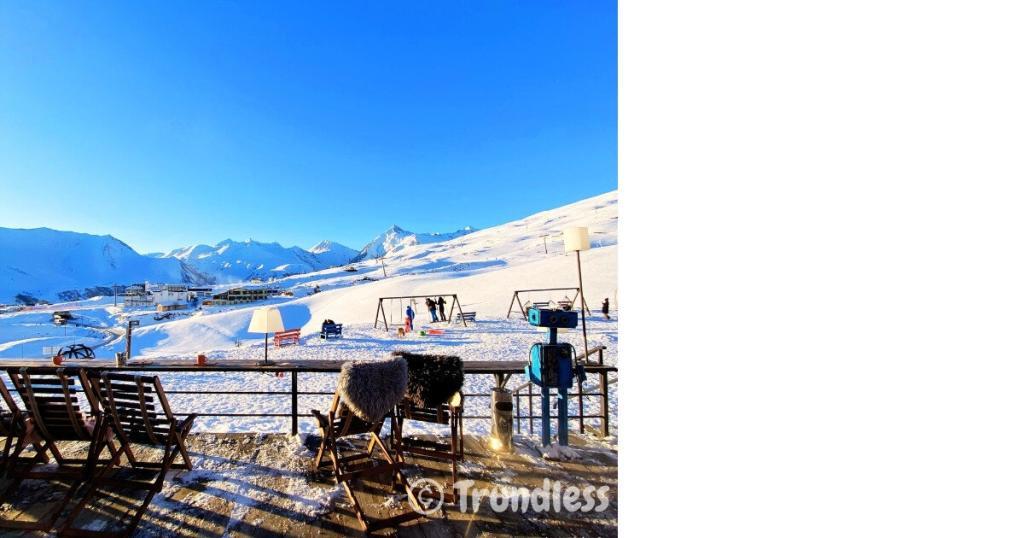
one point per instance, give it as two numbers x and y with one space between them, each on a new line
266 320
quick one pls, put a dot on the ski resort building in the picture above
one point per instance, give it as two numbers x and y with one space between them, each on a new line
200 293
164 296
170 294
135 295
241 295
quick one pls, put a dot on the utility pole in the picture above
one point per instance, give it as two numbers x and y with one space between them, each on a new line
128 338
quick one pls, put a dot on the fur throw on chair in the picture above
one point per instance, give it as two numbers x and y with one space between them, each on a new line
371 389
433 379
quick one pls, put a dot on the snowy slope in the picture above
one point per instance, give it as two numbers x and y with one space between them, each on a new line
52 265
332 254
239 261
482 267
394 239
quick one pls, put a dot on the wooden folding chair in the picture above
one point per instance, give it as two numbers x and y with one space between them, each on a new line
51 398
18 433
351 463
129 405
448 414
434 396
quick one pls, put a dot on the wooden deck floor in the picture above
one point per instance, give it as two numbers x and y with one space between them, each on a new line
262 485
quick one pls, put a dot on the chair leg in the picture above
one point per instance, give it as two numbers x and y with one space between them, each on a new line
58 458
47 521
320 453
171 451
400 484
9 459
180 444
360 516
336 460
89 493
455 459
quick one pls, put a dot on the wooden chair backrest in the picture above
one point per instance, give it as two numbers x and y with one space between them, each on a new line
51 400
7 413
131 402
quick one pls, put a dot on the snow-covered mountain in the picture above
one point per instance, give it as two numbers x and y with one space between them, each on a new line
395 239
41 263
331 253
239 261
54 265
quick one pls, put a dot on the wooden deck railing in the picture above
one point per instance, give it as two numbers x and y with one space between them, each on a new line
497 369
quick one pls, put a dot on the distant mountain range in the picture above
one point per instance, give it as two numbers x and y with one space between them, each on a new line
239 261
41 263
44 264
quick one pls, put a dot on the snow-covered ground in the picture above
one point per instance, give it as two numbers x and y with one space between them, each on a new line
483 268
489 339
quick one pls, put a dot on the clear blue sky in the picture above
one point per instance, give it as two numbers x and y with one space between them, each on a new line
166 124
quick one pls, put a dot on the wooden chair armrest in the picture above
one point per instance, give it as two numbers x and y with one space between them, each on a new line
186 424
324 421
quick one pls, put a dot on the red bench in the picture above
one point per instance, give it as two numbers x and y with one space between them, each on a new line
291 336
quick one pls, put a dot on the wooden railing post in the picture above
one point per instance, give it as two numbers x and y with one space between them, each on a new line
604 403
519 420
529 404
295 402
579 386
604 394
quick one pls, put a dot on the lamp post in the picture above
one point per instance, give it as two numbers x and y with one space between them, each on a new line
576 239
266 320
128 338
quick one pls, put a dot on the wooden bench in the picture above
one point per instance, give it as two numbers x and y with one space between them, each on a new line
291 336
465 316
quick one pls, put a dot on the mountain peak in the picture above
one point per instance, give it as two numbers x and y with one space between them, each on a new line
395 238
332 252
326 244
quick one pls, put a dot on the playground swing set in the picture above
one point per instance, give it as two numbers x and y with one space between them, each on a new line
402 301
547 303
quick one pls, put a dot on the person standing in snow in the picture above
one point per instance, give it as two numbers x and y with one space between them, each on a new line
604 309
409 315
432 307
440 306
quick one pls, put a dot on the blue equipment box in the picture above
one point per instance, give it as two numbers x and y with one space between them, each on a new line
559 319
551 365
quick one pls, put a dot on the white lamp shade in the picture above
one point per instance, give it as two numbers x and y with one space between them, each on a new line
266 320
576 238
